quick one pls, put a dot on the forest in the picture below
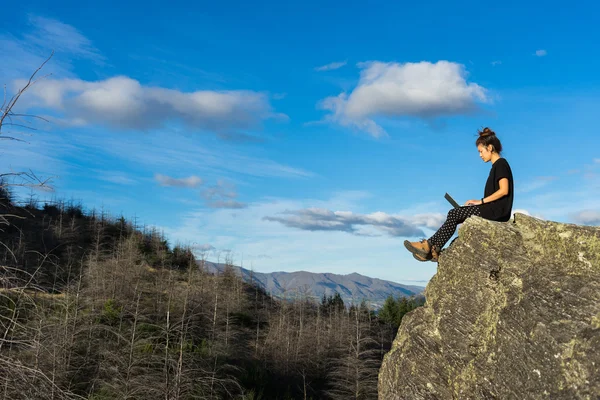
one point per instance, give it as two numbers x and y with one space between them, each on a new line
95 307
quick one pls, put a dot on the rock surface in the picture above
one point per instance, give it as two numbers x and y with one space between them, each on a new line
512 313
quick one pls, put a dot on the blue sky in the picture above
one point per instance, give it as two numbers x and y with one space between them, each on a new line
306 136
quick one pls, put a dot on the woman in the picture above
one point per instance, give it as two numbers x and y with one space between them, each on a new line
496 205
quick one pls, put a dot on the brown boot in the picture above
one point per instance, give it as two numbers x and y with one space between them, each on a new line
435 253
421 258
421 248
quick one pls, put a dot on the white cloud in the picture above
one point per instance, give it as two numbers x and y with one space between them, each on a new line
206 247
123 102
115 177
227 204
337 105
429 220
190 181
587 217
331 66
541 53
520 211
222 195
318 219
425 90
251 237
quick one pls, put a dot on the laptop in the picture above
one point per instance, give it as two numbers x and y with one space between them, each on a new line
451 200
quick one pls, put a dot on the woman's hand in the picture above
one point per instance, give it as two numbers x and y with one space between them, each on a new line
473 203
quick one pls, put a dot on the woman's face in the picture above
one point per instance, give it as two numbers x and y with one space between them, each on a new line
485 152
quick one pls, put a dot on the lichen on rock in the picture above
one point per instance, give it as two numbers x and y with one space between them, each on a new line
513 312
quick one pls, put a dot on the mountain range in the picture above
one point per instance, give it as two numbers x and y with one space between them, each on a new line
352 287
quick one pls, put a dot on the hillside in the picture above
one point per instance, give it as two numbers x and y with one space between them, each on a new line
352 287
512 313
93 307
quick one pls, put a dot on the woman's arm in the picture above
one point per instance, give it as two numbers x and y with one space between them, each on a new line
498 194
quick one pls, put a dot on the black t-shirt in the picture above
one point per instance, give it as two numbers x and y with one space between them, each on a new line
501 209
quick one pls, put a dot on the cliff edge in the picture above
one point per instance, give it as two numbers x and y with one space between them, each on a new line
512 313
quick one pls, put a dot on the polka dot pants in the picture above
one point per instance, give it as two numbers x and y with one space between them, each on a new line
455 216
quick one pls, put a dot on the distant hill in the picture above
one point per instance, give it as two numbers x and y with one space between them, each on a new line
352 287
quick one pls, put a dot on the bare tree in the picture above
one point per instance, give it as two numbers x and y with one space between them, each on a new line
10 118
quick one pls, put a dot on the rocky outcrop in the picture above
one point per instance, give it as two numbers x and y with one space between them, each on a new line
512 313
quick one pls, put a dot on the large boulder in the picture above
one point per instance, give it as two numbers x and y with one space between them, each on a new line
512 313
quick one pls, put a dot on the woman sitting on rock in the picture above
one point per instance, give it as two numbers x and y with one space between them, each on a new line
496 205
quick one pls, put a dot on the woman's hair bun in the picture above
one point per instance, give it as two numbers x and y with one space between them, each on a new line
488 137
486 132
